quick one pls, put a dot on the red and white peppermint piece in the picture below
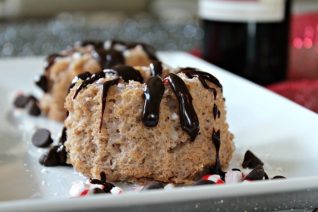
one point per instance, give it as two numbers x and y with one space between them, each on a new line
80 189
77 188
169 186
233 176
116 190
214 178
84 192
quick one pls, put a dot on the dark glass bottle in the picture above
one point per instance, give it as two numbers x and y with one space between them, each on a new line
254 48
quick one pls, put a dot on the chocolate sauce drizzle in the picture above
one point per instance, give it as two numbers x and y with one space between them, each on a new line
106 87
217 142
216 112
188 117
110 56
50 60
125 72
128 73
156 68
82 76
88 81
203 77
153 95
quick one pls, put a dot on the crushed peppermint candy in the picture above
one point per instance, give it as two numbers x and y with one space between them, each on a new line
234 175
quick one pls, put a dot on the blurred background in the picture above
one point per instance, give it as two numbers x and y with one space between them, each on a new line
41 27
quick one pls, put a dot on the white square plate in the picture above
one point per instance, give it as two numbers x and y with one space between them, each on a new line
280 132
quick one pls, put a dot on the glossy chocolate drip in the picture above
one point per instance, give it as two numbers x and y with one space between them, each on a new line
106 86
50 60
63 136
125 72
203 77
156 68
217 143
153 95
128 73
216 112
88 81
188 117
82 76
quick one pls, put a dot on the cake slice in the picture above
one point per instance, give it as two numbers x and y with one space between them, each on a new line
170 128
86 56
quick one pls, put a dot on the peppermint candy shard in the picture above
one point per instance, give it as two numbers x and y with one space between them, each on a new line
251 161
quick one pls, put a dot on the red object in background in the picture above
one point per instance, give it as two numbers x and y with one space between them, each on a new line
303 92
303 61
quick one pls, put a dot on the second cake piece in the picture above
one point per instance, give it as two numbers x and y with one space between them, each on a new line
86 56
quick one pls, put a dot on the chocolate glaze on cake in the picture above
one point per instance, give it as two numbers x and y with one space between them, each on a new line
153 95
106 86
217 142
153 92
203 77
156 68
188 117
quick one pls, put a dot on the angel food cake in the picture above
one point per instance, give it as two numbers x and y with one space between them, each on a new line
139 124
86 56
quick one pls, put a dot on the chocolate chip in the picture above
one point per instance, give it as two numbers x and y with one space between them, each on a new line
63 136
251 161
256 174
62 155
204 182
108 187
34 109
42 83
21 101
42 138
153 186
278 177
266 176
50 157
55 156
